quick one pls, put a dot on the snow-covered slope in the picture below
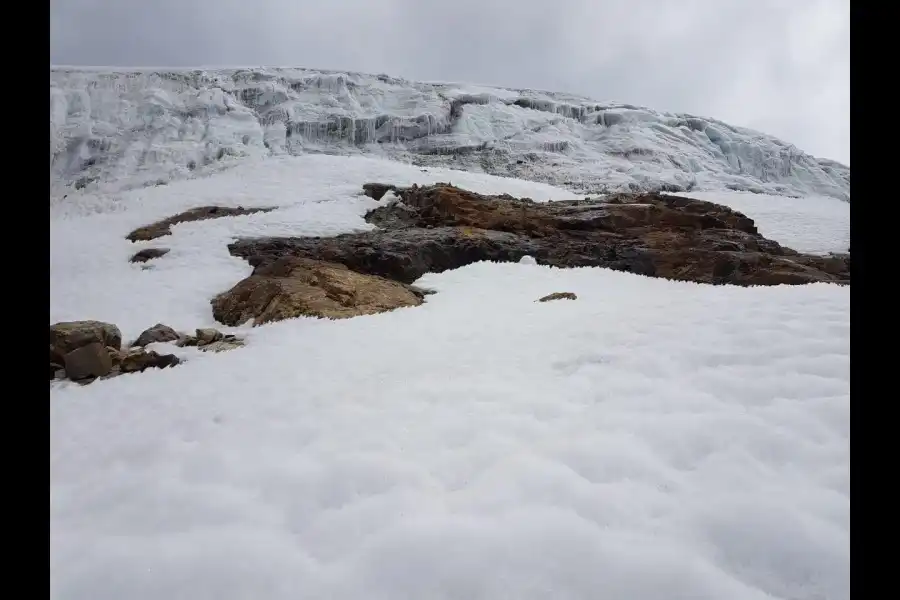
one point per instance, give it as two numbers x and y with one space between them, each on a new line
650 440
114 129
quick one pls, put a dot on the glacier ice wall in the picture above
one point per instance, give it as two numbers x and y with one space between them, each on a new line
112 129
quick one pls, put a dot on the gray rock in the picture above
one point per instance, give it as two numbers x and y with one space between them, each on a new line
208 336
91 360
157 333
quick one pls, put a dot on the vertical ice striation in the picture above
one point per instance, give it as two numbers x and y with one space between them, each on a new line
112 125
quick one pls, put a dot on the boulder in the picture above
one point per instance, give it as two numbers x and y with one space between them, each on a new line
88 361
294 287
157 333
71 335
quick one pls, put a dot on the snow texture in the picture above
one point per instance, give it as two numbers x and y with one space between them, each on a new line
650 440
114 129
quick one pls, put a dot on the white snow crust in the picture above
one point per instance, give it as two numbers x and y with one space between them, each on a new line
649 440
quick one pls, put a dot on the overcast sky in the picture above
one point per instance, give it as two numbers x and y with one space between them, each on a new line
779 66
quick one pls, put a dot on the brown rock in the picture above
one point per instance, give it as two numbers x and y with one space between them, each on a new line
148 254
141 360
294 287
558 296
91 360
440 227
157 333
164 227
70 335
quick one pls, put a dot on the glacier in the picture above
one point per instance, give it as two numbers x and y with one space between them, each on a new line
113 129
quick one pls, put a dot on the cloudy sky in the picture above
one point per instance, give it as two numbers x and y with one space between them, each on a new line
779 66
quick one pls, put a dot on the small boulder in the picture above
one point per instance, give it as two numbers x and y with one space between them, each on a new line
558 296
157 333
208 336
141 360
91 360
71 335
148 254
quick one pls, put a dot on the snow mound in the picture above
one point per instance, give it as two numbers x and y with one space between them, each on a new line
113 129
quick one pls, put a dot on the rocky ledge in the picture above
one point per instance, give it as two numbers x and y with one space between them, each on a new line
440 227
202 213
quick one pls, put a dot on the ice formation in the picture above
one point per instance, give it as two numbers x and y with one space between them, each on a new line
113 129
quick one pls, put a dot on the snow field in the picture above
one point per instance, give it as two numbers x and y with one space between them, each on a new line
651 439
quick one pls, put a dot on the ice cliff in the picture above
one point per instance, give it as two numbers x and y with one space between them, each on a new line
111 129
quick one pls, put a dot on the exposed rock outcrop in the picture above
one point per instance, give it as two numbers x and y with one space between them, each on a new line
293 287
441 227
164 227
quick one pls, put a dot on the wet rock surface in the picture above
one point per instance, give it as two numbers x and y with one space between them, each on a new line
441 227
202 213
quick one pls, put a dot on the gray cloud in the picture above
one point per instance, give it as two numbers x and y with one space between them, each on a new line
779 67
